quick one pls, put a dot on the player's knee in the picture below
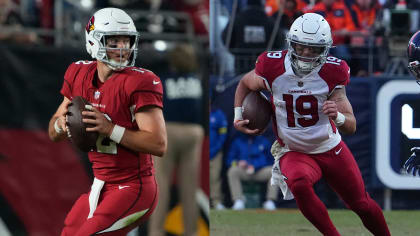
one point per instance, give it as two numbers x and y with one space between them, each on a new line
300 186
361 207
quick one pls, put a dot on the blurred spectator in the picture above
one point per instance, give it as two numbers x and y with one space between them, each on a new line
291 10
250 35
183 114
339 18
218 128
11 24
152 5
249 159
198 11
46 10
272 7
228 4
364 14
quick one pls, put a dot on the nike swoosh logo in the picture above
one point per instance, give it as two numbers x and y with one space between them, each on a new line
121 187
156 82
338 152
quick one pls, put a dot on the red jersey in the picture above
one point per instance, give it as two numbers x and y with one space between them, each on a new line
119 97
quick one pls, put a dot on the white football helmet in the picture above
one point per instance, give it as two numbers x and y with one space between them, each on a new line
313 30
111 22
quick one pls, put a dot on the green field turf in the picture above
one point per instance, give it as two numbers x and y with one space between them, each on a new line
290 222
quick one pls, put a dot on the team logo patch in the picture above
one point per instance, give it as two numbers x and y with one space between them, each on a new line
97 94
90 25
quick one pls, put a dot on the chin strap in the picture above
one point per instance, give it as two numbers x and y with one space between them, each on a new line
116 68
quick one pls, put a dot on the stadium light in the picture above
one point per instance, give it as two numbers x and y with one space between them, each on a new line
87 4
160 45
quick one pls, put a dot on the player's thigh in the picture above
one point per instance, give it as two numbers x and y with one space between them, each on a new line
77 216
123 209
342 173
299 166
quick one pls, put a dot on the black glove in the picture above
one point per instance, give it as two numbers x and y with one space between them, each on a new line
412 165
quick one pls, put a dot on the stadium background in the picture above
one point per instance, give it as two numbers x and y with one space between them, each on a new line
39 179
366 95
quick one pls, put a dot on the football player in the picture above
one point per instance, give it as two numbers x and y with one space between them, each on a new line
127 113
412 165
311 109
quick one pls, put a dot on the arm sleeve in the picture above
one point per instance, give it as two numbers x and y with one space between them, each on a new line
259 65
69 76
146 91
345 72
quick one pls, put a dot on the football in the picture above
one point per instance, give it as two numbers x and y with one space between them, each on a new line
256 109
76 129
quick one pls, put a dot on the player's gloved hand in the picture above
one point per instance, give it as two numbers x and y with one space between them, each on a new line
412 165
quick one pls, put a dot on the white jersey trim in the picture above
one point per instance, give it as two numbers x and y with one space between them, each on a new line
124 222
340 86
267 85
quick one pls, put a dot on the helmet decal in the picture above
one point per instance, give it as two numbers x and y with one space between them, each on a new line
90 25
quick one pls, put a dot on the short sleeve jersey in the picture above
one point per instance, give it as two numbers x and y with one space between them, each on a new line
120 97
297 101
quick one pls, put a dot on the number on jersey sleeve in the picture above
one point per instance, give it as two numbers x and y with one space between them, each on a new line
274 54
83 62
333 60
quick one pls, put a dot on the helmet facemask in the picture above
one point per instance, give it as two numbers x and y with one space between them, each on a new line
313 33
127 54
304 65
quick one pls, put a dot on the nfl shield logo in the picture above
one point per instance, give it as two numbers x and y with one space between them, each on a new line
97 94
300 83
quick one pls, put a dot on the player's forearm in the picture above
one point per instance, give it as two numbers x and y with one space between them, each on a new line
52 133
349 126
145 142
241 91
250 82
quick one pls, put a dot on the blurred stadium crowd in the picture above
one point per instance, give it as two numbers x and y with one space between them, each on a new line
366 33
49 22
